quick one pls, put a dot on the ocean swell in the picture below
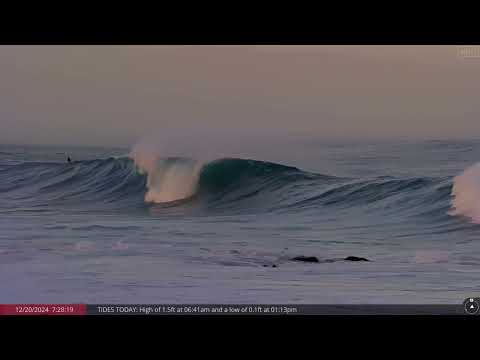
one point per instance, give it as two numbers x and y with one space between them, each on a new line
228 185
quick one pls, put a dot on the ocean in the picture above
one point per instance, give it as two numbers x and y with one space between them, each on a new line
123 226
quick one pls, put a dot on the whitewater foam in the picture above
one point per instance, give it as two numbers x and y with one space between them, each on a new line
168 179
466 194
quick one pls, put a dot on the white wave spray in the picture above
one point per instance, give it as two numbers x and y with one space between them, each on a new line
168 179
466 194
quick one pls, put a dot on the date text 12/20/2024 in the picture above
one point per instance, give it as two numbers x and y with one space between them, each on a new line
43 309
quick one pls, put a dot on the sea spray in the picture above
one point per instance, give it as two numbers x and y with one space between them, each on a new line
168 179
466 194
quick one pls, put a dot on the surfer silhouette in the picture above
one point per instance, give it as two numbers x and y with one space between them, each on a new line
69 160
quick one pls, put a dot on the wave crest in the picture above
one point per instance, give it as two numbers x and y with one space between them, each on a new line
466 194
168 179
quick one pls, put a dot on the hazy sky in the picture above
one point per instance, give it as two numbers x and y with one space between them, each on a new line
113 95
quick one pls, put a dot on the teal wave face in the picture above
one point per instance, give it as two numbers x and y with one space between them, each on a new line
224 173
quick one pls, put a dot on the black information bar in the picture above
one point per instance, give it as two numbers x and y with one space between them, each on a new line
276 309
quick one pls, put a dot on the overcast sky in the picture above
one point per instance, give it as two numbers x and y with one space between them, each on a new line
114 95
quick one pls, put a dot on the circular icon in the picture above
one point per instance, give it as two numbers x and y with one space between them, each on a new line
471 306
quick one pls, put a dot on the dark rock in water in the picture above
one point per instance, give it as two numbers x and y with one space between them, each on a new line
355 258
265 265
306 259
274 265
314 259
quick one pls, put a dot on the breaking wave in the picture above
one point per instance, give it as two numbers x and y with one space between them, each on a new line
143 180
223 184
466 194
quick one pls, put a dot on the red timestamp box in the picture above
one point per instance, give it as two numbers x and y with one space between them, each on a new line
43 309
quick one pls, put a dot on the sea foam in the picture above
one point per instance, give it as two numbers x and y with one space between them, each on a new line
168 179
466 194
